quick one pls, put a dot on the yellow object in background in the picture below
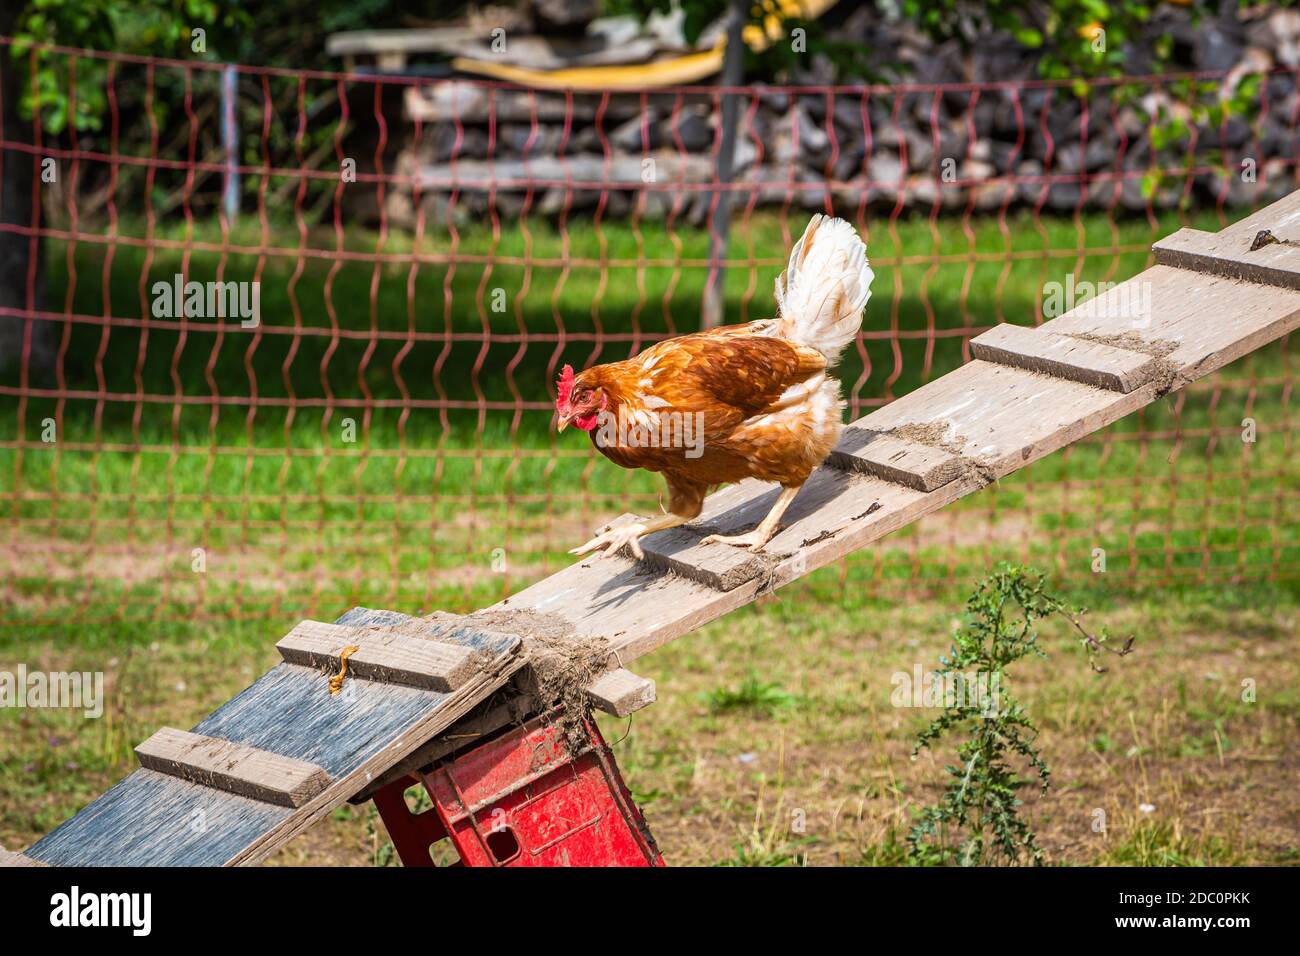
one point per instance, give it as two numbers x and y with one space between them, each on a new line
674 71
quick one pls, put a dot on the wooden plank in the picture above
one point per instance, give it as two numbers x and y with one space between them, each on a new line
829 500
1195 321
391 658
1272 264
152 819
381 751
620 692
993 416
234 768
1078 360
1228 252
679 550
639 607
910 463
17 859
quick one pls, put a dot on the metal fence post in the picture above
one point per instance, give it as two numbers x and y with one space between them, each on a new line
230 143
712 308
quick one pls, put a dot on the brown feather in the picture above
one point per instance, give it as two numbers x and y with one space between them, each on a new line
740 378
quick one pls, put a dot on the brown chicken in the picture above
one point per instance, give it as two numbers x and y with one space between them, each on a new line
742 401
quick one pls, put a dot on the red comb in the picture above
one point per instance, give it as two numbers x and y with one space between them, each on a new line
565 385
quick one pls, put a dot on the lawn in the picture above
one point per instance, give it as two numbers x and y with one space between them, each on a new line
456 492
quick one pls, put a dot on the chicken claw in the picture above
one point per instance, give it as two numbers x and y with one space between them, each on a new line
614 539
753 540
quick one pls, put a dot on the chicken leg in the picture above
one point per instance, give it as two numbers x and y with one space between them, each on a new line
613 539
760 536
685 499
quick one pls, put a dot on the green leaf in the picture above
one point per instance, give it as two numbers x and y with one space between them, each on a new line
1028 36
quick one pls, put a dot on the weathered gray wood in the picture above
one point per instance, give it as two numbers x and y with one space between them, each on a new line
392 658
1274 264
500 660
355 736
232 767
910 463
17 859
1079 360
620 692
152 819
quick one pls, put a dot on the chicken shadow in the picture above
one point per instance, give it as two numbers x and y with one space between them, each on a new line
824 487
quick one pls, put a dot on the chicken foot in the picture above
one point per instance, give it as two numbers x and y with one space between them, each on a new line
614 539
760 536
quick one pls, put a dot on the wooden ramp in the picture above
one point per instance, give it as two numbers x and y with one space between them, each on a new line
1210 298
285 751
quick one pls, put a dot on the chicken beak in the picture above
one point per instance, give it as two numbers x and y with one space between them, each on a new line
564 422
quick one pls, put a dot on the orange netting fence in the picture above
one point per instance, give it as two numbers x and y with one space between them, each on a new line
275 342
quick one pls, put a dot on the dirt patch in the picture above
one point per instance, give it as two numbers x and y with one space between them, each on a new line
524 621
955 529
561 665
935 435
1165 374
57 560
1131 342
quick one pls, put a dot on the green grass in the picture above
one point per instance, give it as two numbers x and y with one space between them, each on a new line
752 694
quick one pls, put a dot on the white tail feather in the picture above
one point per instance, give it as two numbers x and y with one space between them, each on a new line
824 289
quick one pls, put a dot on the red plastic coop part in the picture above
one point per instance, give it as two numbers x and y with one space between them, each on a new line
524 799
